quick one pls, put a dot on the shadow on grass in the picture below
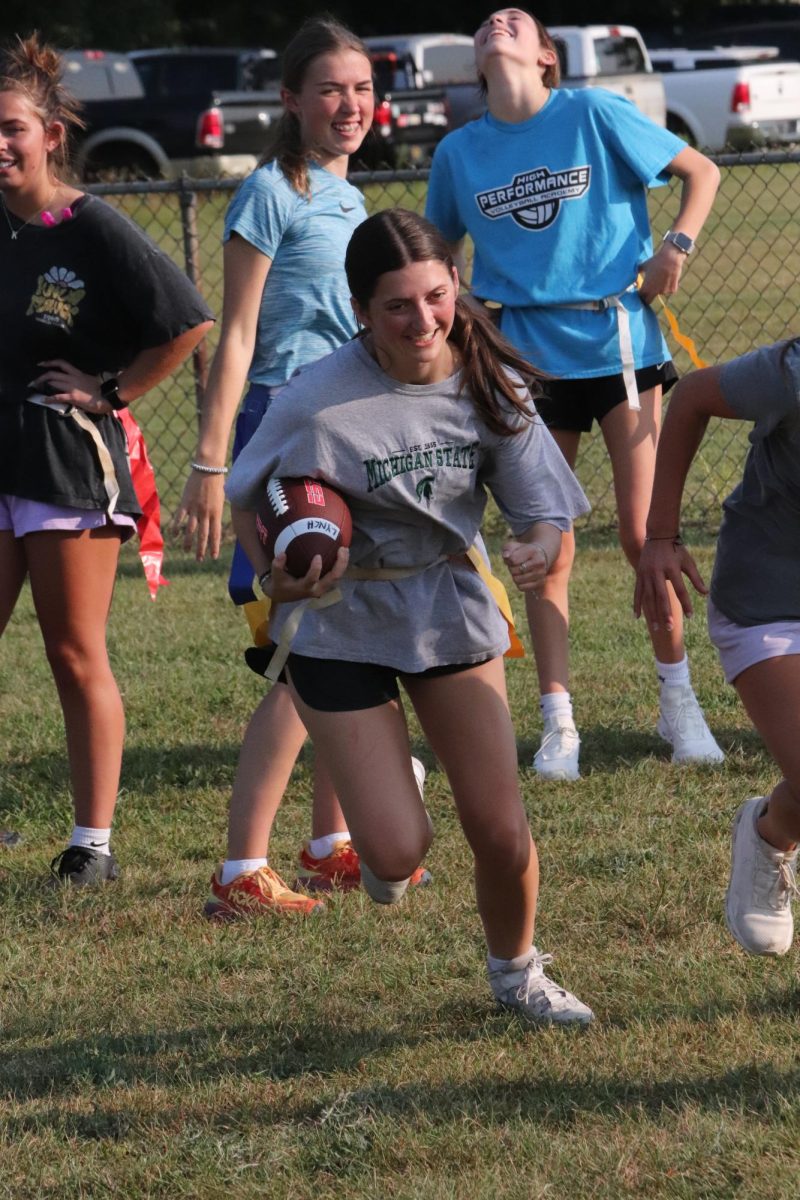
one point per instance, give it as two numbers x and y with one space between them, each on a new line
550 1103
276 1052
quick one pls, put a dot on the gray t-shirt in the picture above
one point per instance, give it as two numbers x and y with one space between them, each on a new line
413 462
756 576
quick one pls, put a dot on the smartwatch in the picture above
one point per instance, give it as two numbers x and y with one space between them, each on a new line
680 240
109 390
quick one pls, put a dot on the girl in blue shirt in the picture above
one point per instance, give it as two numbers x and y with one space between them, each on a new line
550 184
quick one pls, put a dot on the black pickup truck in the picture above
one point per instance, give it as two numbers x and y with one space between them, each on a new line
155 112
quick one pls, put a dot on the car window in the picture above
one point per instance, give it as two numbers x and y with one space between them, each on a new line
618 56
195 74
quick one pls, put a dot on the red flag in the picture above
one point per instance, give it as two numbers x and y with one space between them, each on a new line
151 541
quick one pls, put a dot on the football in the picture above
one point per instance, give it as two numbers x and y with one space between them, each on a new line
301 518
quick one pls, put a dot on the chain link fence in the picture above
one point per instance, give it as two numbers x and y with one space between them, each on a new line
739 290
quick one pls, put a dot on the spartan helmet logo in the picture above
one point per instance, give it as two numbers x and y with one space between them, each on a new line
425 489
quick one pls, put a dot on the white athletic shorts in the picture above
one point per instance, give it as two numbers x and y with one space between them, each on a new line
742 646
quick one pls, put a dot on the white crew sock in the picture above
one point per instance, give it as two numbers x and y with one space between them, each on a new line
239 866
509 964
321 847
557 709
92 839
674 674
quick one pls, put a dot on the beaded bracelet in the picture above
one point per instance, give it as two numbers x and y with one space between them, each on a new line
204 470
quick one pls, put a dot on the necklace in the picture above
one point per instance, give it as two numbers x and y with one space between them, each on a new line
16 232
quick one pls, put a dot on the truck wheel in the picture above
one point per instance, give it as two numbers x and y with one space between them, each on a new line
680 129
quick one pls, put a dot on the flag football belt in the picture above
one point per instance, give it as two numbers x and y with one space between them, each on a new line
623 333
471 557
110 481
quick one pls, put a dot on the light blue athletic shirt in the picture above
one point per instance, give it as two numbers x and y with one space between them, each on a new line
305 308
556 206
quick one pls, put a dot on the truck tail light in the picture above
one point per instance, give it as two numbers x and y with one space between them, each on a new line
382 120
210 131
740 100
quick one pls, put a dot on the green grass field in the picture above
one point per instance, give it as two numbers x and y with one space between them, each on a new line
144 1053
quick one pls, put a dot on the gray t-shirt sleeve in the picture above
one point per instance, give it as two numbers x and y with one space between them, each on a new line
530 480
764 385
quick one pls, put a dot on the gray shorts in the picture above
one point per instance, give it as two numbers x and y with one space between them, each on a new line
742 646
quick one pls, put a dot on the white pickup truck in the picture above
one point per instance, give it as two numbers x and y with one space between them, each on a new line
733 98
612 57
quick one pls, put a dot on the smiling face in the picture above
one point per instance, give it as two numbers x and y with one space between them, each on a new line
512 35
25 146
410 317
334 106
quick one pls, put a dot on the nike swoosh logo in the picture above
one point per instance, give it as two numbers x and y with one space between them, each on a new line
95 845
345 208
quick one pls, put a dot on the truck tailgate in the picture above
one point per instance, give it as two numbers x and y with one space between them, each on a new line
774 91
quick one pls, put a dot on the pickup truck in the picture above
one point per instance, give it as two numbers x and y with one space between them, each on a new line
156 112
433 87
612 57
733 98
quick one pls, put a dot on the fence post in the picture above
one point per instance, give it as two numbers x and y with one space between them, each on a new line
191 253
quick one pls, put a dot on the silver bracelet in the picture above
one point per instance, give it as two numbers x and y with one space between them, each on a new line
204 470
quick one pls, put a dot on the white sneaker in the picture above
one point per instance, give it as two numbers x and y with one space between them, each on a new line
758 903
557 756
682 724
419 774
536 997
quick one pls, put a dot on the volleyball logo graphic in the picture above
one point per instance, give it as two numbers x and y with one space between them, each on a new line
533 198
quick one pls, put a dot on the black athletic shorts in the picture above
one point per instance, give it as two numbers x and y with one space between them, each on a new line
573 404
335 685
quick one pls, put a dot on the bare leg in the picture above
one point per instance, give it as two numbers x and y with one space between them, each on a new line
388 823
466 719
770 691
13 569
72 580
272 742
631 438
548 616
326 811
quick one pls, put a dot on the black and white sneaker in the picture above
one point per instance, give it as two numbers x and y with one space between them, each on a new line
83 867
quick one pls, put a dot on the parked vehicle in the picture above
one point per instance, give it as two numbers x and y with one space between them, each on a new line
613 57
734 97
158 112
428 86
785 34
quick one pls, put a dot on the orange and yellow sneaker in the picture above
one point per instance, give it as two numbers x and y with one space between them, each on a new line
340 871
253 893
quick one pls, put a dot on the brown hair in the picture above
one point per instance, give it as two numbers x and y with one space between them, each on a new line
34 69
551 76
318 35
395 238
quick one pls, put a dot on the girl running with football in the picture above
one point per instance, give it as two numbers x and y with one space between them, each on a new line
413 421
551 184
286 303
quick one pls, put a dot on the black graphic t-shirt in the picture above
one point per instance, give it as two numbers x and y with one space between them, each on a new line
94 291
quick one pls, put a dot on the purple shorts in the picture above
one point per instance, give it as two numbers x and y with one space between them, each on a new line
23 516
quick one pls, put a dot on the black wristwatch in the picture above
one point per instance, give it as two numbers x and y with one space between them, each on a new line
109 390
